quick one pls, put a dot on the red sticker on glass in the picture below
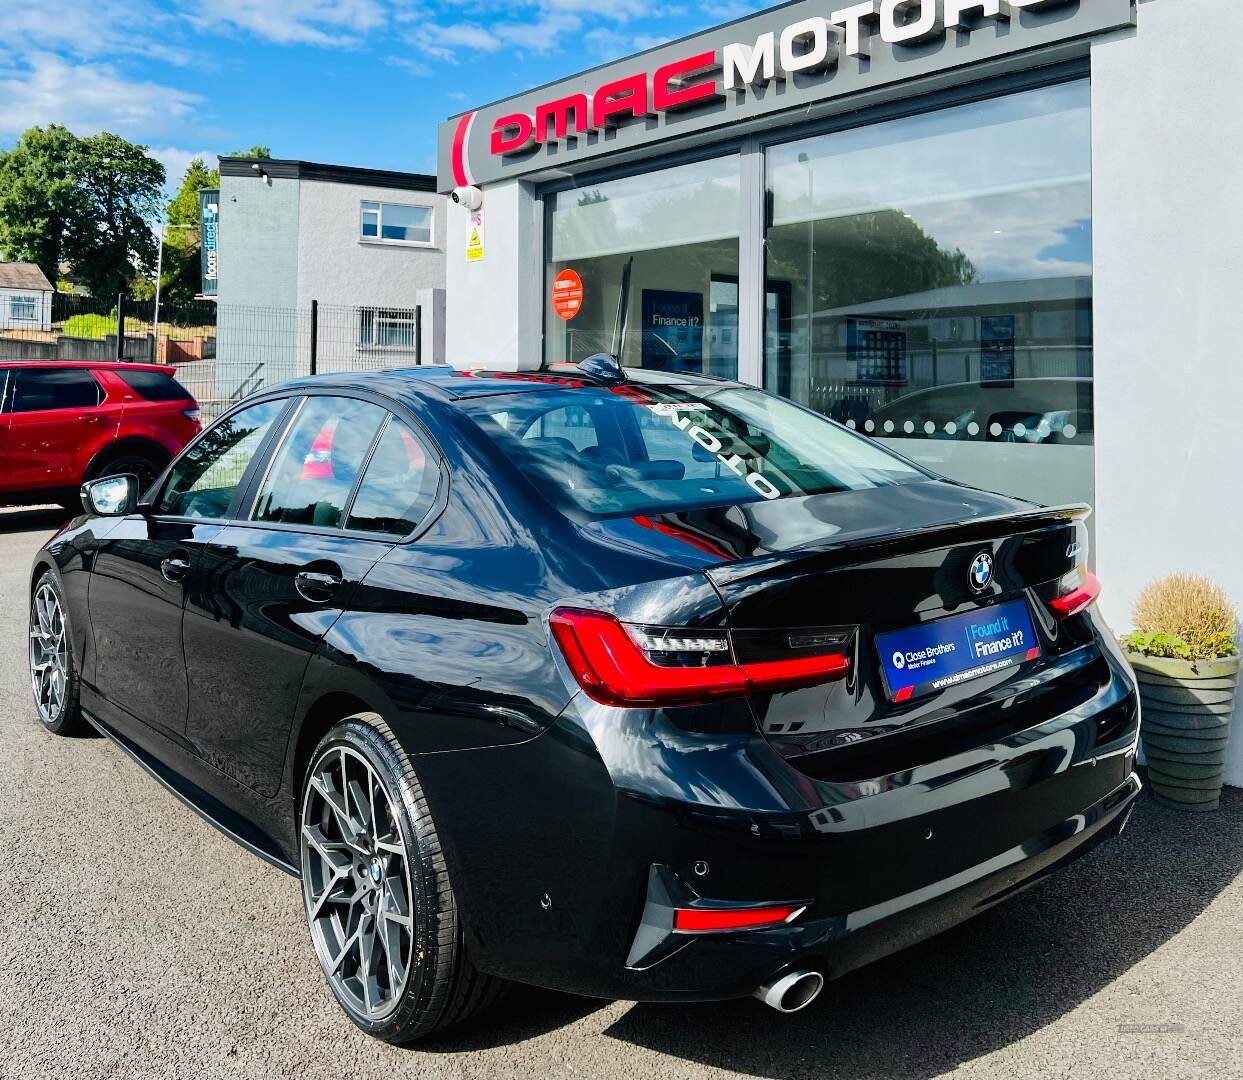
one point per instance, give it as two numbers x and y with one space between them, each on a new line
567 294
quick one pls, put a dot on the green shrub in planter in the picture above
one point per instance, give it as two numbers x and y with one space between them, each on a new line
1186 659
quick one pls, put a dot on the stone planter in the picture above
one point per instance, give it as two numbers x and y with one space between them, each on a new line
1187 707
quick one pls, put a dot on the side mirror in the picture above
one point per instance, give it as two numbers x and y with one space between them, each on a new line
111 496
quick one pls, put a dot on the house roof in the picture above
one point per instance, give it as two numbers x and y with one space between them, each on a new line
288 169
23 276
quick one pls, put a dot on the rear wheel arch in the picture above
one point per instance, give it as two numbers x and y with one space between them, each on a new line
318 721
129 445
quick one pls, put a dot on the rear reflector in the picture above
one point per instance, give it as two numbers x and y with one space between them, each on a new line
701 920
1082 595
614 663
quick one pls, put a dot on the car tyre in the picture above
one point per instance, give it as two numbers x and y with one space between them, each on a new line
146 464
381 910
53 666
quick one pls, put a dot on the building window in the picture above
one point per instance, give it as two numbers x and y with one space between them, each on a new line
939 276
657 254
24 307
397 222
388 328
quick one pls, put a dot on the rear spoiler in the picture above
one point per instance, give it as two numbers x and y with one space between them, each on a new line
865 547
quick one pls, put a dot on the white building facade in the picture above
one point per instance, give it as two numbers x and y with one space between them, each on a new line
1003 238
25 298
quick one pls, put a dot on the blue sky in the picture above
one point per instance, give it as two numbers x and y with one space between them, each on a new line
350 82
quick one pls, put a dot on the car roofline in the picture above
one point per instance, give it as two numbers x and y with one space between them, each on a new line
431 381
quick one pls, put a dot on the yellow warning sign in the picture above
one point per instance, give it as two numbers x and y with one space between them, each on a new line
474 246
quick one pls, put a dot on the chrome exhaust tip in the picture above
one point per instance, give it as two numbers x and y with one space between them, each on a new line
791 992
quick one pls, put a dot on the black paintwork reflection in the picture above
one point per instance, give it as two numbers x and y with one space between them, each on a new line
249 635
136 617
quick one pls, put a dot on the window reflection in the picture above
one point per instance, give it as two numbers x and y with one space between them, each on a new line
666 241
938 274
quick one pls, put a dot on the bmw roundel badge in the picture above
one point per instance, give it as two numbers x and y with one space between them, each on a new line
981 575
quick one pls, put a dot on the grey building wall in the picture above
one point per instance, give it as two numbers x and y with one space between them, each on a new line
337 266
258 246
257 292
286 241
1168 255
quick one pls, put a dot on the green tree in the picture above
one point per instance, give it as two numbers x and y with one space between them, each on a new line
39 198
110 242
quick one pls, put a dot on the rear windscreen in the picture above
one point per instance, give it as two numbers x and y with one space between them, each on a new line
637 449
154 385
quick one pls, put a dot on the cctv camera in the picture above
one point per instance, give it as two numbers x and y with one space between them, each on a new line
469 197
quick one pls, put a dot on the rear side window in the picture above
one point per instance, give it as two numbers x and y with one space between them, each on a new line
641 449
154 385
399 486
312 474
39 389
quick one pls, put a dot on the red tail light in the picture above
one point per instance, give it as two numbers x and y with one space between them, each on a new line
1079 597
614 664
700 920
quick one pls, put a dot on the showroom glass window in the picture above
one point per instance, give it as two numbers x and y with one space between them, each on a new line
935 283
668 241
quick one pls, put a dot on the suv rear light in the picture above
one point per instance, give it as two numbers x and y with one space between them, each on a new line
1078 591
191 414
617 664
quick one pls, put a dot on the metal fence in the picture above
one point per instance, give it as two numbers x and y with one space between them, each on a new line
222 352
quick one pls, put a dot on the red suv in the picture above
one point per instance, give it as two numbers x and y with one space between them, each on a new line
63 423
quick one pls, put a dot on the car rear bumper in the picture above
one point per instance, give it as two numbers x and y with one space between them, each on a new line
554 866
728 966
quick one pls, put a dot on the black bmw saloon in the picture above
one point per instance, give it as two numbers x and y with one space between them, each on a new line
631 684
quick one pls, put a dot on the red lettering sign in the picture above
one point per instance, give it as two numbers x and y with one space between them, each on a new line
673 86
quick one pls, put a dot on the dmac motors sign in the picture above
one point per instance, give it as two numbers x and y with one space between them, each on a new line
800 56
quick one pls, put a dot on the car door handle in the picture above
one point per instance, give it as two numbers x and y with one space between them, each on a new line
317 586
175 567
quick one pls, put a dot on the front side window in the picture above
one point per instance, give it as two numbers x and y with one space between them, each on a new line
657 258
24 307
40 389
399 486
388 328
651 450
400 222
313 472
937 280
206 477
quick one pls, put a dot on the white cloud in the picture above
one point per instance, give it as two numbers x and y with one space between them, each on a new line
86 98
409 65
727 10
460 42
92 28
176 161
292 22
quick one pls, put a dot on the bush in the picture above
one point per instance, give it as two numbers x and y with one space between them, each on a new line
98 326
1184 616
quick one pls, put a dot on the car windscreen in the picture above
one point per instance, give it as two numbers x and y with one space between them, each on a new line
636 449
154 385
